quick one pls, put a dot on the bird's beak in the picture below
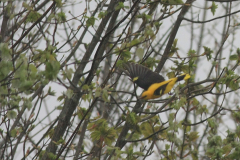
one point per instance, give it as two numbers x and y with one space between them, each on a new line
142 97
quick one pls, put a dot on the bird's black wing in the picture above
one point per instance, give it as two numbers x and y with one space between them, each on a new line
141 75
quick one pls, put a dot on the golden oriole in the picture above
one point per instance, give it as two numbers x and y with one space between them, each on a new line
154 84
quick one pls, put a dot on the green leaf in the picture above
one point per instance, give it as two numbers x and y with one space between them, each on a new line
98 92
51 49
105 95
171 117
15 100
148 32
202 109
146 129
95 135
157 24
61 16
172 2
214 140
150 62
188 128
81 112
173 48
193 136
51 156
132 118
58 3
27 104
14 132
51 92
11 114
236 153
167 146
119 6
233 57
194 154
5 52
90 21
126 54
33 71
145 17
60 141
214 147
6 68
173 126
33 17
69 93
102 14
25 5
185 68
51 69
85 87
195 102
230 137
50 133
236 117
208 52
238 51
182 101
134 42
98 72
192 53
213 8
227 149
110 136
59 107
238 131
25 85
67 73
234 85
139 153
175 106
140 52
21 73
171 75
60 98
212 123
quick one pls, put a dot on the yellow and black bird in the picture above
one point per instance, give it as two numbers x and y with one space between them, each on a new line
154 85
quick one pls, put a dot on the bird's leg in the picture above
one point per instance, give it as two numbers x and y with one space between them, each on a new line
170 93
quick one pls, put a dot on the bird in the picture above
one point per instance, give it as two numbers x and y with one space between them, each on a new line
223 0
154 84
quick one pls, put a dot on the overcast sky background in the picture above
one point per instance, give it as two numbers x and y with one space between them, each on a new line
212 38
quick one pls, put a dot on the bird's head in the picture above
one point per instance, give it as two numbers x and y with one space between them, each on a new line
187 76
146 95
